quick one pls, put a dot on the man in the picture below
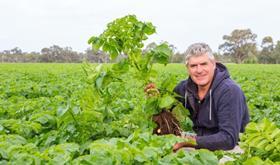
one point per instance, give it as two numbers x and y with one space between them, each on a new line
216 103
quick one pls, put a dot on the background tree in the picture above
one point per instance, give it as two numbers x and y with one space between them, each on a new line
276 53
239 44
59 54
96 56
16 51
221 58
50 54
265 55
70 56
251 59
178 58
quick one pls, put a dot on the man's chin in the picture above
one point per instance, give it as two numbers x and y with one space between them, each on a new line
202 84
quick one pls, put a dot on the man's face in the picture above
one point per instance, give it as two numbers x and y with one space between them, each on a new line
201 69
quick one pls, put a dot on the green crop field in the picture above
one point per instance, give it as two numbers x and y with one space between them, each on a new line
79 114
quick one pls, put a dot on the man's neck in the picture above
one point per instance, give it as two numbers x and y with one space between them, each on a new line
202 90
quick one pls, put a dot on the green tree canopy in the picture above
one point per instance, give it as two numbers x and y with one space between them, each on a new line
267 50
276 53
239 44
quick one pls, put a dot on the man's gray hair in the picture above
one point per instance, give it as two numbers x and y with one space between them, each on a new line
198 49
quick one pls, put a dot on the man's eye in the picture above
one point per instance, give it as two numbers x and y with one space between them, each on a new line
192 66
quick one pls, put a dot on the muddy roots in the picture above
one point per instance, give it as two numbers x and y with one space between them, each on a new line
166 124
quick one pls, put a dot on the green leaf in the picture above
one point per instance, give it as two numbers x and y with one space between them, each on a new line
62 110
253 160
207 157
114 53
166 101
269 147
275 133
121 67
1 128
92 40
162 53
168 82
149 28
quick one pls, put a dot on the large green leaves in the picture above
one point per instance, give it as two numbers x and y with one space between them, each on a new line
262 140
123 35
166 101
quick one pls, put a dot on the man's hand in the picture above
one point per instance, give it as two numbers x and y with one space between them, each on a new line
151 90
190 142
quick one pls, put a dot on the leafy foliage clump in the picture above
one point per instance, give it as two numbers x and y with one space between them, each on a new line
262 140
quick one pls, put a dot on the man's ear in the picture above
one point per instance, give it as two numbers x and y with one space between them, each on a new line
214 63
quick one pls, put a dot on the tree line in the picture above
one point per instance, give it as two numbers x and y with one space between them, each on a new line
53 54
240 46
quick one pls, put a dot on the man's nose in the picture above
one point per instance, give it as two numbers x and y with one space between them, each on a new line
198 68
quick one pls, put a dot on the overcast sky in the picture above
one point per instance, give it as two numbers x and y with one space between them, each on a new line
34 24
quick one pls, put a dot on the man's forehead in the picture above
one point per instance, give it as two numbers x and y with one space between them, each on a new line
198 59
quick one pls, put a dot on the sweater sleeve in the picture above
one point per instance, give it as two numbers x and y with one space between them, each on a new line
231 103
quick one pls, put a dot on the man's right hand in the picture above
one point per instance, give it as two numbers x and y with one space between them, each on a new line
190 142
180 145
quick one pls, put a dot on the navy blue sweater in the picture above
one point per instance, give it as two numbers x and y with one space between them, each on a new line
221 115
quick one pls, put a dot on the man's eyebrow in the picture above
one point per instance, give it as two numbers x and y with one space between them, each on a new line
193 64
202 63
